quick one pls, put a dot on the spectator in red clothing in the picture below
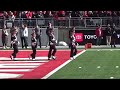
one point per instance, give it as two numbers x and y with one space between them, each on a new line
55 15
29 14
99 34
85 14
61 13
1 15
15 13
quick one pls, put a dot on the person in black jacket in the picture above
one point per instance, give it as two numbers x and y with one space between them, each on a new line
22 35
38 33
108 34
114 35
52 44
15 44
4 37
70 33
12 30
33 45
48 32
73 46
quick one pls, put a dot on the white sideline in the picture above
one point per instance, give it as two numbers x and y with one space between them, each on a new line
52 72
101 49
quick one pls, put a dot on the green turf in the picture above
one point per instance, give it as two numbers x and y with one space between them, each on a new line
89 62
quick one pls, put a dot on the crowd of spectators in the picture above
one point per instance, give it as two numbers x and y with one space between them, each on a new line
59 16
55 14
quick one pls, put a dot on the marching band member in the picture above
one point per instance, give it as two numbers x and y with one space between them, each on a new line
73 46
52 43
33 45
15 44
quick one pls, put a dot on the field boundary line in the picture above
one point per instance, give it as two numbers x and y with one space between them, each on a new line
62 65
101 49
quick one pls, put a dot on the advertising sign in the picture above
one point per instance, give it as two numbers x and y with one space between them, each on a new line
88 36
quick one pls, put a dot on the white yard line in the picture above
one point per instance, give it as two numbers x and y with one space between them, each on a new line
37 58
24 61
21 64
9 75
55 70
27 67
15 70
102 49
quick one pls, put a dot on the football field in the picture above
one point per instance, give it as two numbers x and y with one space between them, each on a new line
92 64
89 64
23 68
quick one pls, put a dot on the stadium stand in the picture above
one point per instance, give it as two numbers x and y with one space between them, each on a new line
61 20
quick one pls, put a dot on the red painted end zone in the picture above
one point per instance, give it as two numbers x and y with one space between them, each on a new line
42 70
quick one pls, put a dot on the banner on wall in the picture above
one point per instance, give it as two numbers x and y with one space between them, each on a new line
88 36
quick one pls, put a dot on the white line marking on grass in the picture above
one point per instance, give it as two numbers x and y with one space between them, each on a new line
55 70
102 49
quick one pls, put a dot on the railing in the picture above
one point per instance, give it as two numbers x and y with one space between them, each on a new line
84 22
